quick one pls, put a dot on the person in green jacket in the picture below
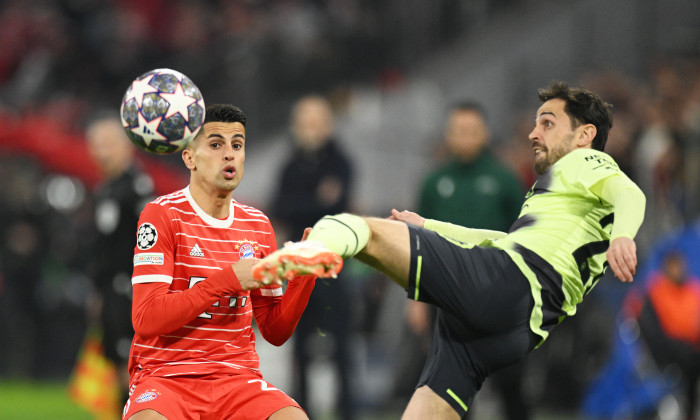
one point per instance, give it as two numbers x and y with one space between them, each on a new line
473 188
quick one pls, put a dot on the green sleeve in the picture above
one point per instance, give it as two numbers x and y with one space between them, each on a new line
629 202
461 233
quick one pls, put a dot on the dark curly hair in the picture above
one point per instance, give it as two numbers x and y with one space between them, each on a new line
583 107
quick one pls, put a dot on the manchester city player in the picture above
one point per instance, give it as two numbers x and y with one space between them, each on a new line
499 295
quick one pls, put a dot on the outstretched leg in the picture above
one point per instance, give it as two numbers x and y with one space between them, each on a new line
381 243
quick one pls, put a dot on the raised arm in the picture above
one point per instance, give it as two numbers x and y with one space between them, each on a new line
629 202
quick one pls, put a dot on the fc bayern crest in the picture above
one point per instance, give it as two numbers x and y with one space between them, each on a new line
146 397
147 236
246 249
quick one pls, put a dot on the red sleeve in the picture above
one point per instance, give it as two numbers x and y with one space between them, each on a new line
278 316
156 311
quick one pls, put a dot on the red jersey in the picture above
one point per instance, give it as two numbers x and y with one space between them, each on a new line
179 245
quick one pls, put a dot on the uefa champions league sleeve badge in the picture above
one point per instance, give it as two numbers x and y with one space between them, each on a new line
147 236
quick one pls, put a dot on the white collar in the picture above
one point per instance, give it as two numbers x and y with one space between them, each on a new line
212 221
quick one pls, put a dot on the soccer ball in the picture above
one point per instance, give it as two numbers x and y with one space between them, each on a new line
162 111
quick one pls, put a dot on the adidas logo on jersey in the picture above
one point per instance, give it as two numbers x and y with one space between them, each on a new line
196 252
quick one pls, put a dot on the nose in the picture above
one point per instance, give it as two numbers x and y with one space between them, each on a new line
534 134
228 153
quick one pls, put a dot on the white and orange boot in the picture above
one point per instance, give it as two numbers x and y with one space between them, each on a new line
298 259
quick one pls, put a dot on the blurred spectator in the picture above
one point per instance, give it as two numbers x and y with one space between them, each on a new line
473 189
670 324
117 204
691 118
22 247
314 181
656 357
42 292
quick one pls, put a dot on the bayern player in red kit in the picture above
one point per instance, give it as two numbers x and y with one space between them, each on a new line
194 298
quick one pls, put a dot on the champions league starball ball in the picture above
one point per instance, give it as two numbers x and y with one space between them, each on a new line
162 111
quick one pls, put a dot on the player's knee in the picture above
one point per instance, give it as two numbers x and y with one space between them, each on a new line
387 236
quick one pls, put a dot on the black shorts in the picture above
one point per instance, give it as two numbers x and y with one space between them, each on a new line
483 319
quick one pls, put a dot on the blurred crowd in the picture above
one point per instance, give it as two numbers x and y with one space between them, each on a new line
75 54
79 55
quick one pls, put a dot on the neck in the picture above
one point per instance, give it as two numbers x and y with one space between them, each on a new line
468 159
215 203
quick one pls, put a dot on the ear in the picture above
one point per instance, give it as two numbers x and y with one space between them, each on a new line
188 158
586 134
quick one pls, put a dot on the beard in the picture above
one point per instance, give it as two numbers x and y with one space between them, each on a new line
542 164
551 156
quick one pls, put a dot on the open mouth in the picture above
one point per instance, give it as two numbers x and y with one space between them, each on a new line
229 171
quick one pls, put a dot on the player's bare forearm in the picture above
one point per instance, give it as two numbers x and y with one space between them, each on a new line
622 257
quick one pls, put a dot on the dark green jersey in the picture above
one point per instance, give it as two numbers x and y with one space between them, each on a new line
480 194
562 233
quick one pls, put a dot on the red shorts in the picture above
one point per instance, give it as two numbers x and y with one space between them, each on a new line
243 397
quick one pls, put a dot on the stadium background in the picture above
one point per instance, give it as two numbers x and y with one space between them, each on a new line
391 68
